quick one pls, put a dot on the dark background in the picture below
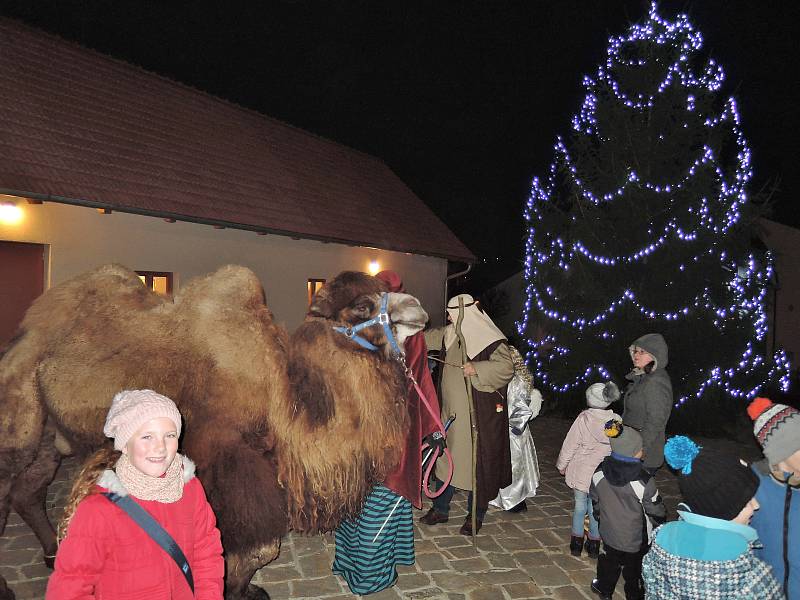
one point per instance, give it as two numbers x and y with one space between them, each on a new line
462 99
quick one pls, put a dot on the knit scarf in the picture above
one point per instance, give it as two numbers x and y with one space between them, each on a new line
167 489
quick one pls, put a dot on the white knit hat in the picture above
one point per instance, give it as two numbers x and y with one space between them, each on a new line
130 409
601 395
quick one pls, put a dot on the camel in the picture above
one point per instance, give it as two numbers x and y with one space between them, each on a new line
286 432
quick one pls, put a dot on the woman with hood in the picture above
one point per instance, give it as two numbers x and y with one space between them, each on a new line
648 397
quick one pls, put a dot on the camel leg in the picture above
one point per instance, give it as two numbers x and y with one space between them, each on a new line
29 493
5 593
241 568
5 507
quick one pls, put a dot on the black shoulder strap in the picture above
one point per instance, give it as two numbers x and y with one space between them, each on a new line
151 527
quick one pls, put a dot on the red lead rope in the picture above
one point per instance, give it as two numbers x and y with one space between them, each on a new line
437 419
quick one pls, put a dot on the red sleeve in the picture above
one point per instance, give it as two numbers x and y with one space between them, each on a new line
208 566
82 553
417 360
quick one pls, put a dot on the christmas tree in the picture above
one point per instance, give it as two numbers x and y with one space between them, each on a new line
643 225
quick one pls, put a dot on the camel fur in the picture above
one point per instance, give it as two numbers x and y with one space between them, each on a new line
352 399
284 432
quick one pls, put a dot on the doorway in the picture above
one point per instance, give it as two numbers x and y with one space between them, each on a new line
21 282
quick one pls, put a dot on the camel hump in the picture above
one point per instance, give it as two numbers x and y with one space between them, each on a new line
108 285
232 294
230 285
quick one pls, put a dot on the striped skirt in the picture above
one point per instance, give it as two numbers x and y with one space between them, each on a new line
369 567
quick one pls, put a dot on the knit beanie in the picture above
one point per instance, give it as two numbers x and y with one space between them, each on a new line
712 483
601 395
392 280
776 427
625 441
130 409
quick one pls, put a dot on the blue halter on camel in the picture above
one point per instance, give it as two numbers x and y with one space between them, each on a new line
383 319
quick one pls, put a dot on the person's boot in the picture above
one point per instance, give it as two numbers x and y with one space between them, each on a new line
575 545
434 518
466 528
517 508
592 548
595 587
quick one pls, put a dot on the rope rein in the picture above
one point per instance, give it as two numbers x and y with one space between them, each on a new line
441 430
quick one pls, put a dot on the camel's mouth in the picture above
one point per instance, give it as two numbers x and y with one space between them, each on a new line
406 310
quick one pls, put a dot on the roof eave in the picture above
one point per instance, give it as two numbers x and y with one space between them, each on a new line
470 259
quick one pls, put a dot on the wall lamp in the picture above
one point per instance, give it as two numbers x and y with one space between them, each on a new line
374 267
10 213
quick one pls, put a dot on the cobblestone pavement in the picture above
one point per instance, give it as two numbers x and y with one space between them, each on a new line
518 556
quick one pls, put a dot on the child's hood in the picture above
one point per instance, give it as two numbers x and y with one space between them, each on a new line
593 416
621 472
110 480
705 538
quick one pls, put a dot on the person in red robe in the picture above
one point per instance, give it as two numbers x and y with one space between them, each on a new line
406 479
366 560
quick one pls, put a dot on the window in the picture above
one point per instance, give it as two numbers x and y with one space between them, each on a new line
158 281
313 287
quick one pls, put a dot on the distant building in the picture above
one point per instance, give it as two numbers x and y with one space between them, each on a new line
101 161
784 298
505 303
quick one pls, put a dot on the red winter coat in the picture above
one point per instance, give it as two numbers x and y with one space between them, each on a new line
406 479
106 556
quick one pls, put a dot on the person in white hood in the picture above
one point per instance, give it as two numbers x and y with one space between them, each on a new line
585 447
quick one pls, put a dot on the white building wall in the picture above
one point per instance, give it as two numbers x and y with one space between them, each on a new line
784 306
80 239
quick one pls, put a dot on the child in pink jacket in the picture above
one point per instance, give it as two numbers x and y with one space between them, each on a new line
585 447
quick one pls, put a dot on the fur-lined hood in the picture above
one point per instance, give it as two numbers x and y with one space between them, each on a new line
109 479
656 346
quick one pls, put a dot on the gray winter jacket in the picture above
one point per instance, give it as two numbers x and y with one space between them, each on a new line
624 500
648 400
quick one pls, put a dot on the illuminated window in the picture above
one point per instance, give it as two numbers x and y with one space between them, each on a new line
158 281
313 286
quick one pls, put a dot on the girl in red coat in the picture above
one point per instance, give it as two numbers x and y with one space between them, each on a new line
103 553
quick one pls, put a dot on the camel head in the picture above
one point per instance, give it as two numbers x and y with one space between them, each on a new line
353 297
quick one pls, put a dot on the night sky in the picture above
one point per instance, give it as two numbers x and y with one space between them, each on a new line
462 99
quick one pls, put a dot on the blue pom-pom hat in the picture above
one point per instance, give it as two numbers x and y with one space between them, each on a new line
679 452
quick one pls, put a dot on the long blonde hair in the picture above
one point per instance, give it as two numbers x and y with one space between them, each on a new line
105 458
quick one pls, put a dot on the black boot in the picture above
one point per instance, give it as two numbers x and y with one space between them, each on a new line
592 548
521 507
575 545
595 587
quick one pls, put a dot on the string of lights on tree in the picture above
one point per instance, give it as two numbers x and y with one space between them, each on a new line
643 225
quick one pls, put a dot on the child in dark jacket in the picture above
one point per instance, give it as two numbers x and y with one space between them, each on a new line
625 499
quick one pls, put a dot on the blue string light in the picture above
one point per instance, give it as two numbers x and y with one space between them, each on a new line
707 216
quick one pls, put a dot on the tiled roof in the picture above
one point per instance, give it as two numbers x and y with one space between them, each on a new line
83 128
